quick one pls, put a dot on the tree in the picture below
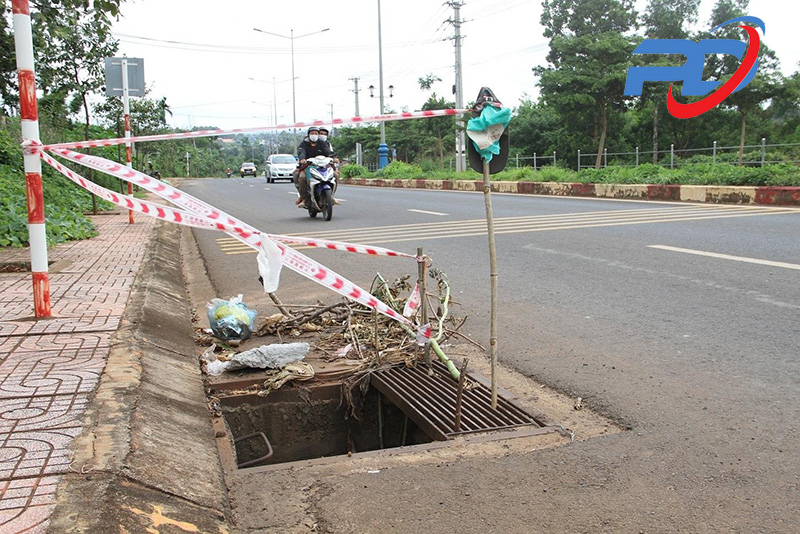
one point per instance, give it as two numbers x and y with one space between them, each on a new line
537 128
48 18
427 81
767 81
9 92
665 19
76 46
589 54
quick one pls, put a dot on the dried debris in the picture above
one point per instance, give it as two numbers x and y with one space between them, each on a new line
355 339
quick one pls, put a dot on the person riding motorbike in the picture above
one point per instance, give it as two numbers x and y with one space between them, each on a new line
228 172
311 147
323 138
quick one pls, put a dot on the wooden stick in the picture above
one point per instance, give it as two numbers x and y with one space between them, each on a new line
487 197
423 300
280 306
461 380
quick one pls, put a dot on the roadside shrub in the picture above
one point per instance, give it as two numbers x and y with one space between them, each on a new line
353 170
398 169
516 175
554 174
64 207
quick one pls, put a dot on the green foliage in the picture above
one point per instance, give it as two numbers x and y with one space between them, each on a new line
352 171
64 207
783 174
398 169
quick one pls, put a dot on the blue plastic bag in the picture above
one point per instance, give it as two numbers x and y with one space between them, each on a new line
230 319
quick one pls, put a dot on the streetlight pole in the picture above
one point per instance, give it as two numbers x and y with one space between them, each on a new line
383 150
291 39
275 100
294 108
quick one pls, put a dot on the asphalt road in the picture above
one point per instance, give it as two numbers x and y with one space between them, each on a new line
681 321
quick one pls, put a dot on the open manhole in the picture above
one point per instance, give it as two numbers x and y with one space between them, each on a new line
400 406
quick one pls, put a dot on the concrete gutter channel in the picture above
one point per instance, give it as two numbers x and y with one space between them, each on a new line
146 456
152 455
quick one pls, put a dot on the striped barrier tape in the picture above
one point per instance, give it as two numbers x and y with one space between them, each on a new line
211 218
299 125
177 196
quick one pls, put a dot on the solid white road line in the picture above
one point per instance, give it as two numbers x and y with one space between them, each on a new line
729 257
428 212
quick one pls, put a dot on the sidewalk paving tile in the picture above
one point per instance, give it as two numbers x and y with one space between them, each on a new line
65 372
50 367
35 454
29 414
58 325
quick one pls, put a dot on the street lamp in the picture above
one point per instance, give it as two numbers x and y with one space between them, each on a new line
383 150
274 94
291 38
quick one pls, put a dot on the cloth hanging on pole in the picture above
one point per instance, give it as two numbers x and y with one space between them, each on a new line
485 131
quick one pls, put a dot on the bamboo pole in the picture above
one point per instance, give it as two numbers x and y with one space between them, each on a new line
423 300
487 197
459 394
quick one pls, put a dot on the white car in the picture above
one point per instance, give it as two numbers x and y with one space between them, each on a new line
280 167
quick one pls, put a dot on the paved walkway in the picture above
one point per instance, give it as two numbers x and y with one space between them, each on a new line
49 368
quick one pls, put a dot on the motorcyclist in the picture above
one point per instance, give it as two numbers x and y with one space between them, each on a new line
323 138
228 172
311 147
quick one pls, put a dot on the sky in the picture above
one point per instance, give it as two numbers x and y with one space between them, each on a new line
215 70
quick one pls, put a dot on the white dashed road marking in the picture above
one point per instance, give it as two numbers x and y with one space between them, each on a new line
728 257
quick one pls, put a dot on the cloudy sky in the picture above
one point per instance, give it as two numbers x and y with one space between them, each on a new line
215 70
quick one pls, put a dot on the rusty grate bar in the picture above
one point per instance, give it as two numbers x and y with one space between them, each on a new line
430 401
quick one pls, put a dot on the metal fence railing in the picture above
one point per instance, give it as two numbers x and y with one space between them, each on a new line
754 155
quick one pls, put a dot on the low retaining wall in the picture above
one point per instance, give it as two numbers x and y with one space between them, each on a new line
777 196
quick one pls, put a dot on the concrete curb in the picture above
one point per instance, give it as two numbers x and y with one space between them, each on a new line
147 453
772 196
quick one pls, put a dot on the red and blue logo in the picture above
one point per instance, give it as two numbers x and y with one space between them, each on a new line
691 72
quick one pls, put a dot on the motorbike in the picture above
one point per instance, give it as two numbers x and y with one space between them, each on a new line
321 183
228 173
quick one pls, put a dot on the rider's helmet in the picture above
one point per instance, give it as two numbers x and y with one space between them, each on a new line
313 133
323 133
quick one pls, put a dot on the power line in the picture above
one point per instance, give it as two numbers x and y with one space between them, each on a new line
206 47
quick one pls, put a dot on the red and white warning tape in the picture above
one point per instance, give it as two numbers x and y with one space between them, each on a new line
197 213
222 220
300 125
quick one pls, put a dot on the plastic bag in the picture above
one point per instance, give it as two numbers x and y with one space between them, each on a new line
230 319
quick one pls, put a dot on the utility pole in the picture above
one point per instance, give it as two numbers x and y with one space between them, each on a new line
274 101
355 90
461 163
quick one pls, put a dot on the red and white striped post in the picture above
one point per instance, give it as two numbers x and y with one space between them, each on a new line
126 108
23 46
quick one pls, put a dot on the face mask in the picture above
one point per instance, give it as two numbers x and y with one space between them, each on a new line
323 137
313 138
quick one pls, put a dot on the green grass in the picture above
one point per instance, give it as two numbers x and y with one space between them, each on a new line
64 205
700 173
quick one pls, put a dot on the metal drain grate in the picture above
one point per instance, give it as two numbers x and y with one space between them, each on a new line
430 401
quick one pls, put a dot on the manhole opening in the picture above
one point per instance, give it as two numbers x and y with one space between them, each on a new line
398 406
294 424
